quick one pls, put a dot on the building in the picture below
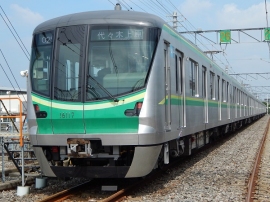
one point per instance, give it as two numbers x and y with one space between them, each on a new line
10 103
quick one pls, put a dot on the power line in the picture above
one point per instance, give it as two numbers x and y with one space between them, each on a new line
128 5
11 74
25 49
159 8
232 30
123 5
187 25
139 6
192 34
151 7
12 84
111 2
15 30
162 7
191 25
252 75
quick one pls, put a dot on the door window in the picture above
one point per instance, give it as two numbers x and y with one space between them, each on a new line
69 62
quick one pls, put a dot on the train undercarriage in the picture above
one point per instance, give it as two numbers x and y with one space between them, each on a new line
83 157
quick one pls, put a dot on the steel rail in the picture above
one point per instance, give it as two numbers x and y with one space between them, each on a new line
122 194
65 193
254 174
125 192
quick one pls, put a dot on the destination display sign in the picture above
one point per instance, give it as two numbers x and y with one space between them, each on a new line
116 34
44 38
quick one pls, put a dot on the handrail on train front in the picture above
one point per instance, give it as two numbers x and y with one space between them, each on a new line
15 116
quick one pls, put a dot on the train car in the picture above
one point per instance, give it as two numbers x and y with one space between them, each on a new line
116 94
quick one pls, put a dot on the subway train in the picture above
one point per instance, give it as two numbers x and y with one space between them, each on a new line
116 94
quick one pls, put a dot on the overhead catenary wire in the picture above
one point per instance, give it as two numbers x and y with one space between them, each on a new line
111 2
21 44
123 5
164 11
155 8
162 6
7 76
11 83
11 74
151 8
138 6
192 26
130 8
187 25
15 30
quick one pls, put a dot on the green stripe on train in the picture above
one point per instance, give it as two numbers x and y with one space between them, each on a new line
196 102
100 117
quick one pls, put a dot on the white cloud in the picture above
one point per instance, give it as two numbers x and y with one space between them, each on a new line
26 15
232 17
191 8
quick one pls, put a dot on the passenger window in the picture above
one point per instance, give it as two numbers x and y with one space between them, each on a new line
227 94
223 91
204 82
234 94
212 86
178 72
218 88
193 79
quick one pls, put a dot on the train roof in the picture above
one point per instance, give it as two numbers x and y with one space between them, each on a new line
114 17
102 17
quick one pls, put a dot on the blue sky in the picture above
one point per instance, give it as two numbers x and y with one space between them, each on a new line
246 57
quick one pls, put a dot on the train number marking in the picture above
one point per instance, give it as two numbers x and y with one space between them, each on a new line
66 115
46 40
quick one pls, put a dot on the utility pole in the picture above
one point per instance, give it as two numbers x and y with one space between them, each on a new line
175 20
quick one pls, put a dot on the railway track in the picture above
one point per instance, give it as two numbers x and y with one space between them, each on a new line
83 191
218 175
211 155
259 183
91 191
66 194
127 186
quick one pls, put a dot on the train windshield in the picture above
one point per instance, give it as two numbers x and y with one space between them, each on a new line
41 62
69 62
119 59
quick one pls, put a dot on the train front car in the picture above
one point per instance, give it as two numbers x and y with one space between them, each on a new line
88 77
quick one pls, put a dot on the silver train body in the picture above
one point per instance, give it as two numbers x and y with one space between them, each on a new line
187 102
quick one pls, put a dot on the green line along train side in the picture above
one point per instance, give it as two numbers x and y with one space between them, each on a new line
116 94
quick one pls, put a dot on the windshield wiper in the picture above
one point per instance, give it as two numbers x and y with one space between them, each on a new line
112 58
93 92
102 88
